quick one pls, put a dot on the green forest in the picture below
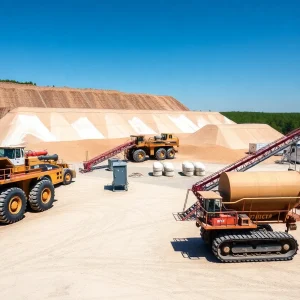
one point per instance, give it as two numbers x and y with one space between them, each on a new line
18 82
282 122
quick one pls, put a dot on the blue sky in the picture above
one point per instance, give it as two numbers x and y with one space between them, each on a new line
210 55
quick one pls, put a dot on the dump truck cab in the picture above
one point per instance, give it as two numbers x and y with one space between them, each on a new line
139 139
16 155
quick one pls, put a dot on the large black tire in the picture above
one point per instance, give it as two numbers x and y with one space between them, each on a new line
129 155
41 196
67 177
46 178
139 155
161 154
12 205
171 153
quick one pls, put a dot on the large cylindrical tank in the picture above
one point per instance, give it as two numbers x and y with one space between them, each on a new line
36 153
234 186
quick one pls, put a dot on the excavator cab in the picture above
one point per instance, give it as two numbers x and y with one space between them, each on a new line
211 210
211 203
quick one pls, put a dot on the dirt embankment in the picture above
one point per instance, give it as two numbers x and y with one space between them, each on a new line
14 95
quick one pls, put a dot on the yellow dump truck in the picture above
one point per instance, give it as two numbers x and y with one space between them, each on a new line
29 178
159 147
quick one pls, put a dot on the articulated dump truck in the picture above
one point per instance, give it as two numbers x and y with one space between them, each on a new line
29 178
236 220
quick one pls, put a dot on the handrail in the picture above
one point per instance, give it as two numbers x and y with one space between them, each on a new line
259 198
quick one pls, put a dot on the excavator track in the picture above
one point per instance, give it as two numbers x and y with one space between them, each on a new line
254 246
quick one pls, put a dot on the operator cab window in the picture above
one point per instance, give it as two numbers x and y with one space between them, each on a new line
9 153
212 205
170 136
18 153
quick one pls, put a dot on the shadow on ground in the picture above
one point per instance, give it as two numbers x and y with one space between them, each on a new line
109 187
193 248
28 210
100 167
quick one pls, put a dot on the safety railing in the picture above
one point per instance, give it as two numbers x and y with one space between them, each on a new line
5 174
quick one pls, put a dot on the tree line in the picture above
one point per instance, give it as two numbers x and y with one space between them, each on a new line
18 82
282 122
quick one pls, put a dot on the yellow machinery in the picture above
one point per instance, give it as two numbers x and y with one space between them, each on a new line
28 177
159 147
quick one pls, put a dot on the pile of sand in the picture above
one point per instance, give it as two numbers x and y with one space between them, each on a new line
233 136
16 95
87 149
59 125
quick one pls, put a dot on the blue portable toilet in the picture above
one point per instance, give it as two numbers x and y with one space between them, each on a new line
119 175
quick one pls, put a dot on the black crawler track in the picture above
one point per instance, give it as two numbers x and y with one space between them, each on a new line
258 237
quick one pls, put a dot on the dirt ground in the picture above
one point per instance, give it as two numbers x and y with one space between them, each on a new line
98 244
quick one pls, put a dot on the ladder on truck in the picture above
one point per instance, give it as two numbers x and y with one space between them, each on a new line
88 165
241 165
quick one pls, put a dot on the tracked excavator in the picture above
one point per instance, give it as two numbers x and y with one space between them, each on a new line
235 220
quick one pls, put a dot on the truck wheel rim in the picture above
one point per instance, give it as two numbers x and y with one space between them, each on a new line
141 155
171 153
68 177
15 205
46 195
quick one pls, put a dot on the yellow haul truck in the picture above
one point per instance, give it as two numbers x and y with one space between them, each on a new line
159 147
28 177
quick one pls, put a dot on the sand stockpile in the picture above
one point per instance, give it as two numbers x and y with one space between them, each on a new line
233 136
23 125
87 149
15 95
91 148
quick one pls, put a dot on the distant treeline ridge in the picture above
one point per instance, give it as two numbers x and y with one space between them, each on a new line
18 82
282 122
